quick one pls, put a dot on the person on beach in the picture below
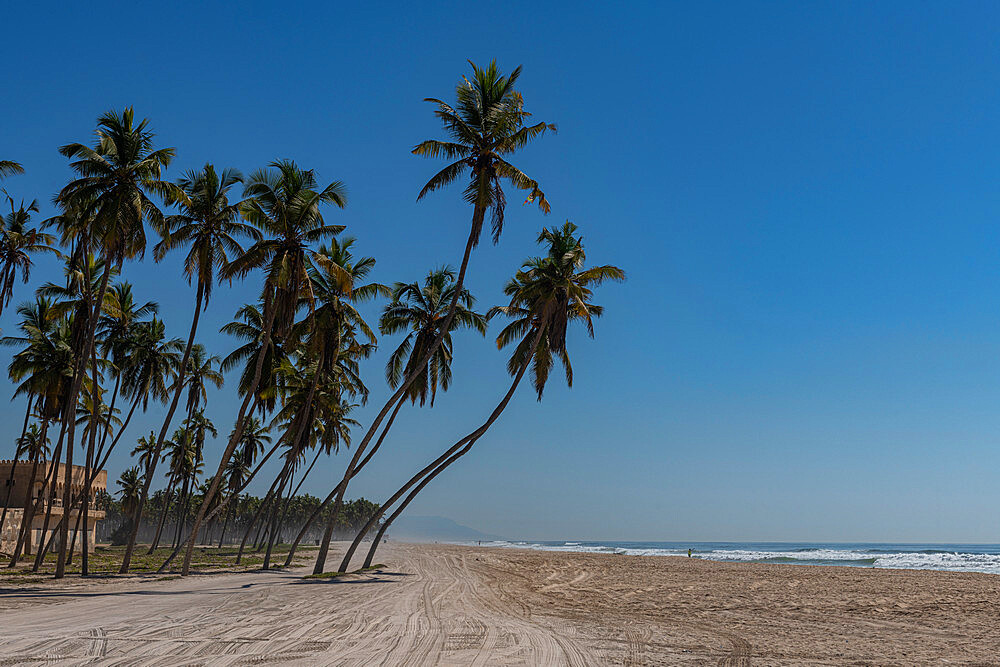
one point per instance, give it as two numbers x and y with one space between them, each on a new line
689 553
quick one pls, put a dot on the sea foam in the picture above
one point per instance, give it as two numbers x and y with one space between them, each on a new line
957 558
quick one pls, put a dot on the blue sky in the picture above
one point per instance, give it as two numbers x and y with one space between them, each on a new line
804 196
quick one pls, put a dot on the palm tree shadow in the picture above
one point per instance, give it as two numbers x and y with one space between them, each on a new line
381 577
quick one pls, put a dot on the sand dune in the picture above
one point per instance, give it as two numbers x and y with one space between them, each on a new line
465 606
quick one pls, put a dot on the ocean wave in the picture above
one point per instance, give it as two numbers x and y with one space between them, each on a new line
882 557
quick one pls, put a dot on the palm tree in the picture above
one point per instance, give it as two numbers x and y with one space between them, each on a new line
116 328
283 202
33 443
253 441
255 438
18 242
117 176
485 126
249 326
423 311
545 295
43 369
94 414
201 370
130 485
145 446
209 224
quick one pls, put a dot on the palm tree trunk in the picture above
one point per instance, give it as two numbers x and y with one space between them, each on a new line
471 438
234 438
477 215
275 511
30 507
221 506
74 534
413 494
182 508
17 451
69 414
225 524
28 513
328 531
163 513
130 546
91 441
49 488
256 516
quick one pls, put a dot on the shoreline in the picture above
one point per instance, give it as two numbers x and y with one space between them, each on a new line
466 604
942 557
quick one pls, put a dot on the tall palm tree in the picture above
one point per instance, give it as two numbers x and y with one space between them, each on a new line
283 202
33 443
484 127
18 242
330 330
208 223
545 296
117 175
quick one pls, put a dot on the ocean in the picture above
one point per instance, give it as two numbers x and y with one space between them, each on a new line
951 557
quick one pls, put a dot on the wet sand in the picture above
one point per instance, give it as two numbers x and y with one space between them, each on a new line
451 605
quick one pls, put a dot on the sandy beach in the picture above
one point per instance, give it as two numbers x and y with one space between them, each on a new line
454 605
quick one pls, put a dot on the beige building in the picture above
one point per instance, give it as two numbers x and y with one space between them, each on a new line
16 484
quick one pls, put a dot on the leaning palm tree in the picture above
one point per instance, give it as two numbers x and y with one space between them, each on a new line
484 127
545 296
208 223
18 242
117 175
283 202
422 311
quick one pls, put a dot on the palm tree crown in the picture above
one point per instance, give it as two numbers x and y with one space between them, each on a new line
18 241
422 310
283 202
546 294
116 175
207 222
486 124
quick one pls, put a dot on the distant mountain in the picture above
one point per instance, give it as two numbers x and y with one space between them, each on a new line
435 528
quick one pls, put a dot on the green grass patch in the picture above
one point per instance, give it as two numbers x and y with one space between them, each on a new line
104 561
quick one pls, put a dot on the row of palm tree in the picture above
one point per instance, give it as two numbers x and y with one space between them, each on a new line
302 344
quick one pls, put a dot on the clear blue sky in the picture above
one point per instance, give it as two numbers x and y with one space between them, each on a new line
805 196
